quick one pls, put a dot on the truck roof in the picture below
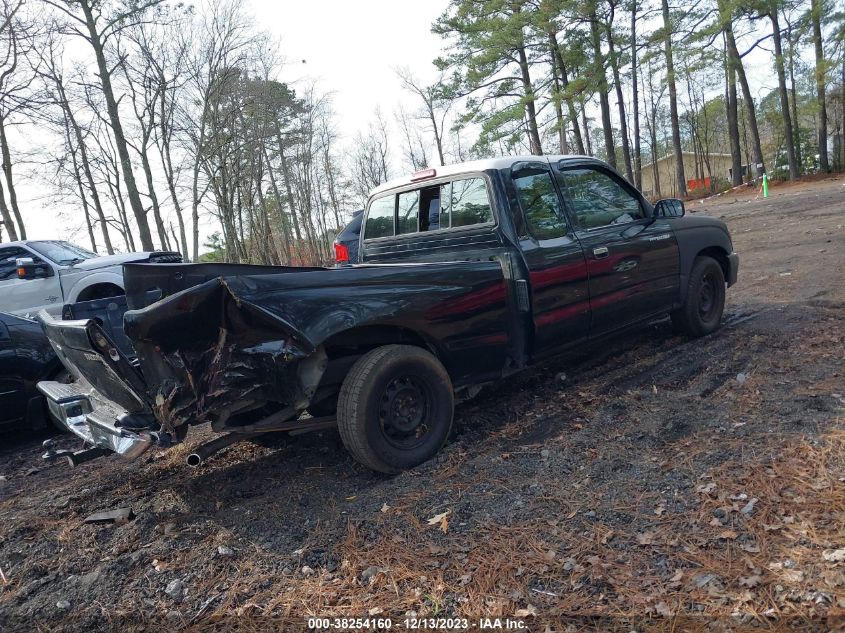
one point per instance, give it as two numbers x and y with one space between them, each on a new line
501 162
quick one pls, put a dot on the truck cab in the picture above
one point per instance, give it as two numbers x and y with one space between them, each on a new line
589 255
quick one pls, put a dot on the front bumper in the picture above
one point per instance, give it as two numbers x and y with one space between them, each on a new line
733 268
95 420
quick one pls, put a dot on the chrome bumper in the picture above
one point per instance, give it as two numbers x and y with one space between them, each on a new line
94 420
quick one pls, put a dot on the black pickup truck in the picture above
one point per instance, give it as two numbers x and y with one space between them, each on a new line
467 274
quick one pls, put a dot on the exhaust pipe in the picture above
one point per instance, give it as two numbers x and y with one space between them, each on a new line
204 451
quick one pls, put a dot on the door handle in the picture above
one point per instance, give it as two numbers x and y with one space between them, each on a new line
600 252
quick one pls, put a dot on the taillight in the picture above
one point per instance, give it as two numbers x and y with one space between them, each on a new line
341 253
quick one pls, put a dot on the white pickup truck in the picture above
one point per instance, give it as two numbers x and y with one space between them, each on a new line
47 274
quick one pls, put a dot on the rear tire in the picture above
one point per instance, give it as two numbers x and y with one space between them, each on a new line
395 408
701 312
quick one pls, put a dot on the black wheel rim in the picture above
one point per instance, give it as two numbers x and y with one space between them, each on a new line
405 406
707 297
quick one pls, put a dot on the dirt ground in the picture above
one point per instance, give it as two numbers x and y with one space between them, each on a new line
653 482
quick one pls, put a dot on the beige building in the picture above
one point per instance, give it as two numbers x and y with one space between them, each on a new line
720 170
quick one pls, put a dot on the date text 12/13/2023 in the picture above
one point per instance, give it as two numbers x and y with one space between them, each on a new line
416 624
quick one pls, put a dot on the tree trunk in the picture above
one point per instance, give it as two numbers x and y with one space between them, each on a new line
815 14
288 189
70 121
530 107
651 122
195 193
170 176
635 99
586 127
7 217
286 236
732 113
563 146
620 100
77 176
736 64
561 82
600 76
148 173
564 79
789 138
117 128
85 208
673 102
796 128
7 171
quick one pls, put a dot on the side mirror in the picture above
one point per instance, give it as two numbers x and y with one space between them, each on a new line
669 208
28 269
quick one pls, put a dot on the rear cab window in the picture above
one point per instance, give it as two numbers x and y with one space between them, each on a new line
459 203
380 218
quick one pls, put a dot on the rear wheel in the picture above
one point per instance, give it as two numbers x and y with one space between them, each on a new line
395 408
701 312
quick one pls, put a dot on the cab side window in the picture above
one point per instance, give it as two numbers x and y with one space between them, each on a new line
8 259
408 212
540 203
445 205
470 204
598 199
380 217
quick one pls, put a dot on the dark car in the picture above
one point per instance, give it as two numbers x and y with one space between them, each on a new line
26 357
346 242
467 274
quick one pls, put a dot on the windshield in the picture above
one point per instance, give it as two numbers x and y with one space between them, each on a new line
61 252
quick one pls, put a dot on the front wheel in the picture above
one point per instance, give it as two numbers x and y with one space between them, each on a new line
701 312
395 408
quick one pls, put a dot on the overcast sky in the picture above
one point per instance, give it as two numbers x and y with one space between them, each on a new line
349 48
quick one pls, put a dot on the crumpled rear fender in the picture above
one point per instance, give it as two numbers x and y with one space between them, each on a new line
205 351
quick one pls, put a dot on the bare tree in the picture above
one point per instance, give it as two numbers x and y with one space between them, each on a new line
51 73
680 176
16 41
415 153
97 23
821 81
436 105
370 158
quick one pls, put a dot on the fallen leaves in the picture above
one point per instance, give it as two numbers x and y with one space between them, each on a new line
706 489
792 575
442 520
661 608
529 611
750 581
749 507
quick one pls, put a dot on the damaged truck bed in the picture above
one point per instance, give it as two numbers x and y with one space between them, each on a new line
468 274
250 348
